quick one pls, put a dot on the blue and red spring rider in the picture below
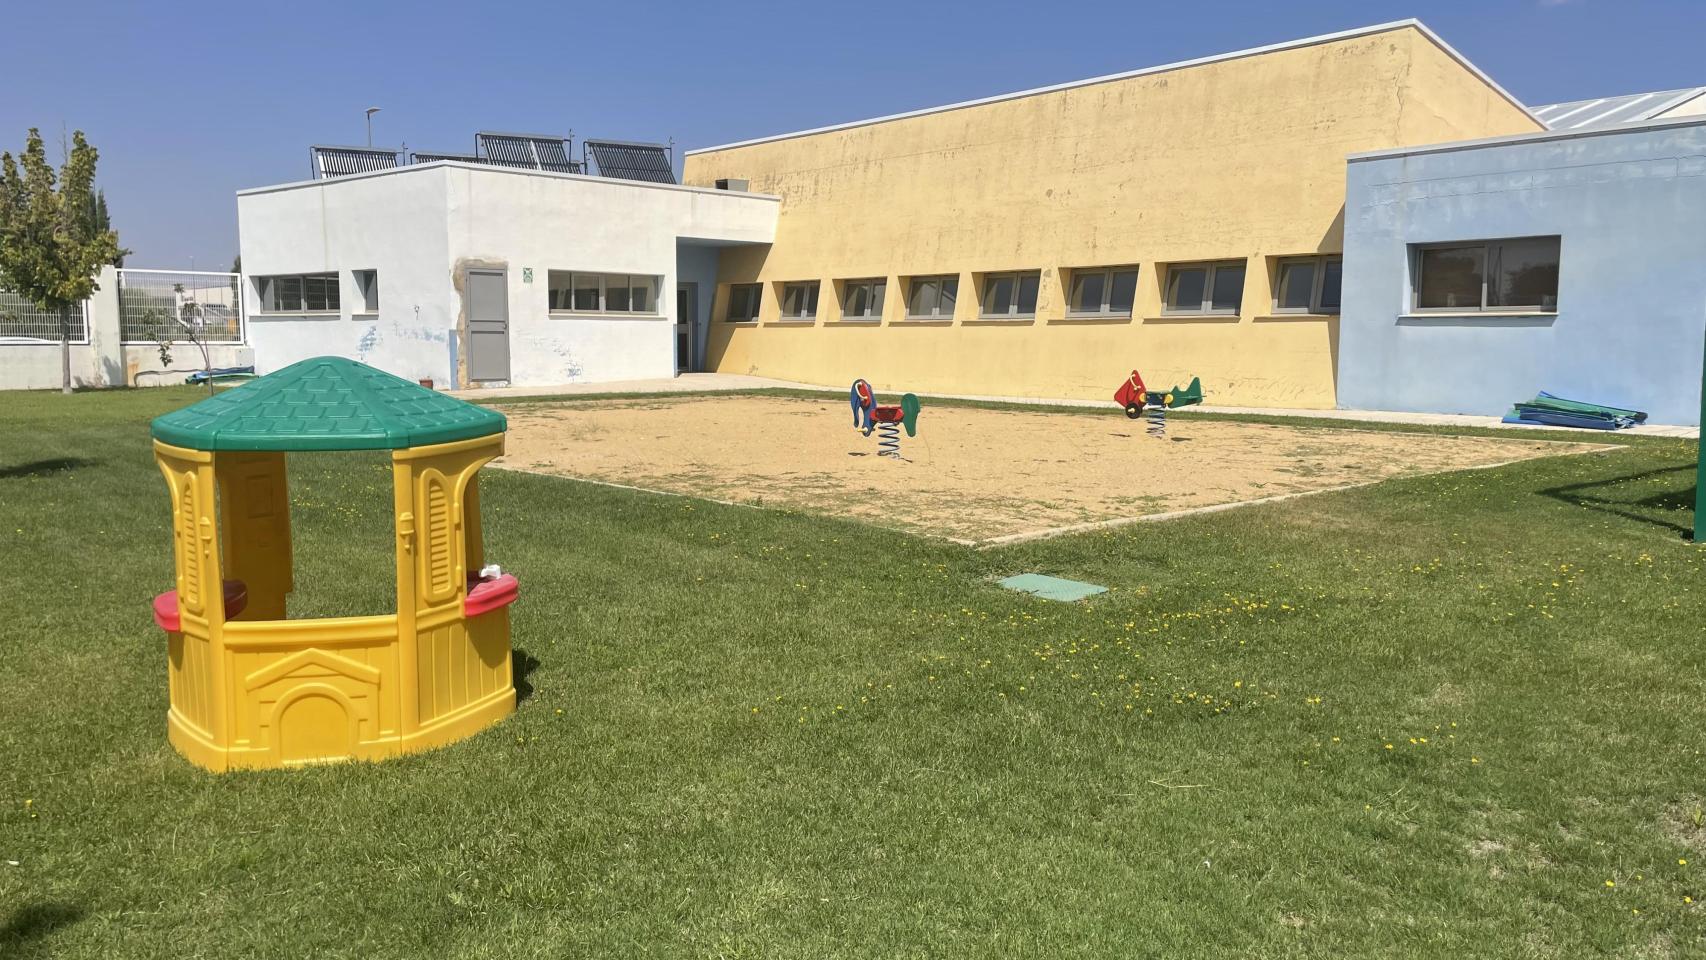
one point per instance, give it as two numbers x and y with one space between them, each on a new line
887 421
1140 401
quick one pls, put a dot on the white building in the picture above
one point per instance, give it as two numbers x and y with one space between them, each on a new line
474 274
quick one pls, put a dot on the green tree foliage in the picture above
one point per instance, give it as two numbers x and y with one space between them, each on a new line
50 242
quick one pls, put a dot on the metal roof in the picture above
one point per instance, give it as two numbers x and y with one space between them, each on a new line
650 162
343 161
1610 111
526 150
1412 22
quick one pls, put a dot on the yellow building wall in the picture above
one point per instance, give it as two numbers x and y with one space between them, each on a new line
1239 159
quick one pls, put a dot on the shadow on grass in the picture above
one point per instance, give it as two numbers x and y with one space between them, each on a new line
1592 495
523 665
39 468
34 921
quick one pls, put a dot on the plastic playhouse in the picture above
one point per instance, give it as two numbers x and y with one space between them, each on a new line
867 415
252 688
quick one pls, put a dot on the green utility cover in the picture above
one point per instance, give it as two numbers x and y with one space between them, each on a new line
1052 588
326 403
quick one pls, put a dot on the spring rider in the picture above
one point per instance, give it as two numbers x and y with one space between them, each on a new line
887 421
1140 401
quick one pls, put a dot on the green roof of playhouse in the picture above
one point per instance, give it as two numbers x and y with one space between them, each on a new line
325 403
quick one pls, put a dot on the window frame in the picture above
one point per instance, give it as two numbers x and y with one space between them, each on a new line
1106 310
602 310
757 290
879 292
814 289
1317 286
942 280
1487 278
265 289
1211 270
367 289
1013 312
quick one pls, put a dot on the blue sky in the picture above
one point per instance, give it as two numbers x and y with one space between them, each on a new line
189 102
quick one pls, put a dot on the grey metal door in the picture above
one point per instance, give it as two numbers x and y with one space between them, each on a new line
486 300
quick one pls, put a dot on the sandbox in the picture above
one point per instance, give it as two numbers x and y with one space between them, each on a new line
975 475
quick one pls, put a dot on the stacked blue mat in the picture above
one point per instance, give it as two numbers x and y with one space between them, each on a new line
1552 411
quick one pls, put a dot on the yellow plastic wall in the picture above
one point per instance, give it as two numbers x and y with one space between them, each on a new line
265 691
1237 159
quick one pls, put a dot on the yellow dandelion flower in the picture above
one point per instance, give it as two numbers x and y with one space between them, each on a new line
1611 883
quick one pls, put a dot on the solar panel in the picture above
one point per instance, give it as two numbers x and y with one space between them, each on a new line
527 151
431 156
650 162
342 161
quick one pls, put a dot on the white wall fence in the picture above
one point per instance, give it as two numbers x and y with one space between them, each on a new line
114 343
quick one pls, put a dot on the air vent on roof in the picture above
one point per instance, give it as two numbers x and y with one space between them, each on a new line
730 183
342 161
651 162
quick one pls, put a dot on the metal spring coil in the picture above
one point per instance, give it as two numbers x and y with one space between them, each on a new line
888 440
1157 416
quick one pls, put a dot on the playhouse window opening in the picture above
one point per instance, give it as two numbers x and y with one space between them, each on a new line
343 534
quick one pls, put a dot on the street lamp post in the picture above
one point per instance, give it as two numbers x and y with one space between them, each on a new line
370 112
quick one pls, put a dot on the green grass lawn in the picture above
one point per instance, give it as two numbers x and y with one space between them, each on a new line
1450 716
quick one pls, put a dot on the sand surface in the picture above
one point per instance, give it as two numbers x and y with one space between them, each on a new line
970 474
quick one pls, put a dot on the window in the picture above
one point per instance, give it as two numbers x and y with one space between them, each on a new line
1308 285
576 292
1102 291
1216 288
932 298
863 299
743 301
1010 295
799 300
300 293
1519 274
367 284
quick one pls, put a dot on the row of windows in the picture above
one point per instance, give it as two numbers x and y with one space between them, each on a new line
578 292
1305 285
316 292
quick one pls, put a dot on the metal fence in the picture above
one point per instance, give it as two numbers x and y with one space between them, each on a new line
23 322
163 304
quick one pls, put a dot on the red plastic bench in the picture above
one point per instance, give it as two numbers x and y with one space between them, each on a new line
484 596
166 605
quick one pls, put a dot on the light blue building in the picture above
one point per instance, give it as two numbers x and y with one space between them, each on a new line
1572 261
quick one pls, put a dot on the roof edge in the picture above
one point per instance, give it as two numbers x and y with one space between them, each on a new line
1142 72
496 168
1539 136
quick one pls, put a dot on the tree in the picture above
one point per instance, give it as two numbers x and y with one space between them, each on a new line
50 246
104 221
185 321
